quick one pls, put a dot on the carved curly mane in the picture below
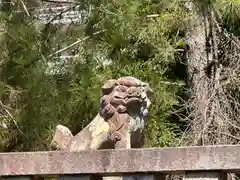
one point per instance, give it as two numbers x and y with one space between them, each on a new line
126 95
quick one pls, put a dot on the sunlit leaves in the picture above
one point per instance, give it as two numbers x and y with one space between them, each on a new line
134 44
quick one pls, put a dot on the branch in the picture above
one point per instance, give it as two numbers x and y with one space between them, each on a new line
61 1
11 117
75 43
24 7
172 83
152 15
60 14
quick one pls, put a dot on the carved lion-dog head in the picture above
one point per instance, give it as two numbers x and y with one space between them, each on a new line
125 96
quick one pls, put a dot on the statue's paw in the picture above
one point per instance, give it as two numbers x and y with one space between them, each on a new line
115 136
121 109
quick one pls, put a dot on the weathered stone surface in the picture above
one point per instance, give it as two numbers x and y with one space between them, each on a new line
120 161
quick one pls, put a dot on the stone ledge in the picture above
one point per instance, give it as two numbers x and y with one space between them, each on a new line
167 160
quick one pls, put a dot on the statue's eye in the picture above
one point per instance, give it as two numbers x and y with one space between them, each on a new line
144 85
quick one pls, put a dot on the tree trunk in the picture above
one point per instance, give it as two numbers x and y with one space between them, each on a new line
203 76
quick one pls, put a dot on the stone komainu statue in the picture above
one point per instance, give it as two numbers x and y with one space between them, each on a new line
123 113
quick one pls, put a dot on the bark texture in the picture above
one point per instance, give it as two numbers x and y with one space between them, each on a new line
203 72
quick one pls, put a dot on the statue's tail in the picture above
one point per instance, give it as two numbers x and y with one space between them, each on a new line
91 137
61 138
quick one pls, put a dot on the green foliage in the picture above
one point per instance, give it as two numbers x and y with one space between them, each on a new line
138 37
230 13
